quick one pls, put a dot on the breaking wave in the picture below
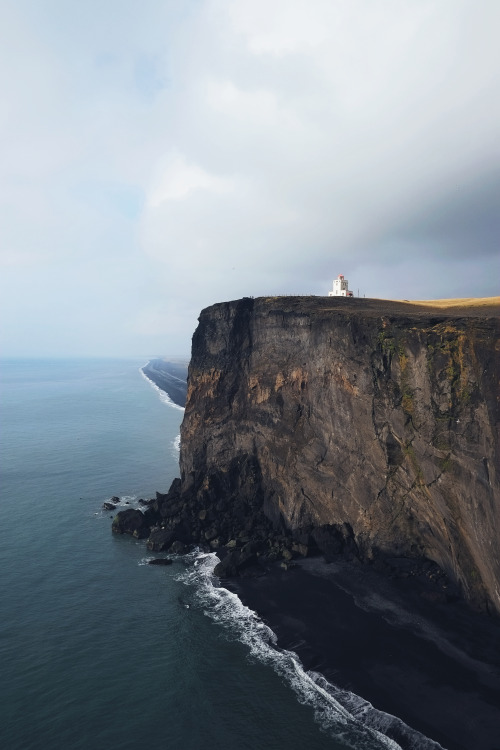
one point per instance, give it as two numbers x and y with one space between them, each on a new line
176 446
163 396
347 717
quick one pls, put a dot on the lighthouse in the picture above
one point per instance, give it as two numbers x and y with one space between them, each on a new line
340 287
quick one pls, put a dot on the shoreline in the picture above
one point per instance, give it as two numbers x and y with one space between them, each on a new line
432 664
434 667
169 377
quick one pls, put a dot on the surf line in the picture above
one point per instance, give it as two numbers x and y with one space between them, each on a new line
344 715
164 397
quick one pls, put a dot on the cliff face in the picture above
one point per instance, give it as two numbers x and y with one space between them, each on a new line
375 416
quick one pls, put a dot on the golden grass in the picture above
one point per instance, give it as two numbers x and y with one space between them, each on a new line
458 302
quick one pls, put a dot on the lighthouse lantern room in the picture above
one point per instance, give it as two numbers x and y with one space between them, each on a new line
340 287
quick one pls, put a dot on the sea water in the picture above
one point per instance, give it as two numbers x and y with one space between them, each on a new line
97 648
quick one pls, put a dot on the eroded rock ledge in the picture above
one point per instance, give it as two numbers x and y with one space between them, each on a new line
358 427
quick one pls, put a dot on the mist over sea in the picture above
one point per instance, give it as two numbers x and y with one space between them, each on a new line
98 649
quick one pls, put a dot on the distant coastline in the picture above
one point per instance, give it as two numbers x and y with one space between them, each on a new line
170 377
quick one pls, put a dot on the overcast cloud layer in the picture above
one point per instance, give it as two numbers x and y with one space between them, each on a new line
161 156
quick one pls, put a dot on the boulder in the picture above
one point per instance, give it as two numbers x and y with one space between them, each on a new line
160 561
131 522
160 539
177 548
227 568
108 506
300 549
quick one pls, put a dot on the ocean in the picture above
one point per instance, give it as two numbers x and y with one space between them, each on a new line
98 649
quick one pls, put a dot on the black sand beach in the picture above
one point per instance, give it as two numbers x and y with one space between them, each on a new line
170 377
436 666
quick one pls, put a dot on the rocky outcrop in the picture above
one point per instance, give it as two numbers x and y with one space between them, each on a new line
111 504
160 561
369 427
132 522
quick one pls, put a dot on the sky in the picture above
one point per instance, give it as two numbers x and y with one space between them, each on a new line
161 156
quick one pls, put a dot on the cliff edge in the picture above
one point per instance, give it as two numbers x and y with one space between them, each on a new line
366 425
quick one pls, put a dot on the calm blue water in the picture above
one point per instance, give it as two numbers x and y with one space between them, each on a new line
98 649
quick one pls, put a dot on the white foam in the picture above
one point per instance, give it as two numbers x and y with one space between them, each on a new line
163 396
126 501
344 715
176 446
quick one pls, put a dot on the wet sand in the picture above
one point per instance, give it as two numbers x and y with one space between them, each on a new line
436 666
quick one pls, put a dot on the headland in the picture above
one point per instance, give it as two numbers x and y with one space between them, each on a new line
363 432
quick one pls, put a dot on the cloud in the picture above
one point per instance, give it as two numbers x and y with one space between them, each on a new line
384 124
158 159
178 179
10 258
464 222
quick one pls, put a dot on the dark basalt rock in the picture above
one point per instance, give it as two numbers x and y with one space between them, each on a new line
247 542
370 425
227 568
131 522
108 506
160 539
242 562
334 539
178 548
160 561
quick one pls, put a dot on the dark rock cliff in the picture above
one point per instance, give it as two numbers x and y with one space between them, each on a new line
375 420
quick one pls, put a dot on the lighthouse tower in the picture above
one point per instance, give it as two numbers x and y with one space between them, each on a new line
340 287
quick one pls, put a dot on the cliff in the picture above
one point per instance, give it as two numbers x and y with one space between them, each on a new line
346 425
